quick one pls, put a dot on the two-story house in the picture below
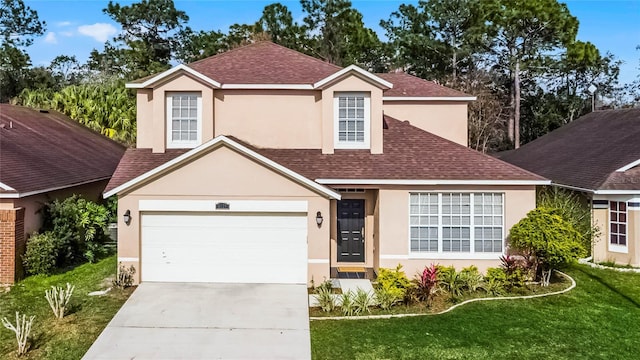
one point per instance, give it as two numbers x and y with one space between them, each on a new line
265 165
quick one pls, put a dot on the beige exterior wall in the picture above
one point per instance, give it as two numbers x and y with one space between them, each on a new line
152 105
447 119
601 248
223 174
394 224
270 118
351 84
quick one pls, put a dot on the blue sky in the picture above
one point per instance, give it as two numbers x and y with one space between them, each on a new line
76 27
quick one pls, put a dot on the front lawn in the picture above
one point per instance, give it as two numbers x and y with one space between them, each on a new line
599 319
70 337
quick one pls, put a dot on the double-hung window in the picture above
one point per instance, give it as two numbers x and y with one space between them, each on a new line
184 120
618 226
352 120
456 224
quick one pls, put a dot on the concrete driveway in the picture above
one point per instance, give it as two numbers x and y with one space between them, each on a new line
208 321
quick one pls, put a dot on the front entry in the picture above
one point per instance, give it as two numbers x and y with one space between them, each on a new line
351 230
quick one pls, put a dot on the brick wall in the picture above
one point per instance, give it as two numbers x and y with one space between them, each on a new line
12 245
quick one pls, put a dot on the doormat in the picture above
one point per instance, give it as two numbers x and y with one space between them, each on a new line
351 269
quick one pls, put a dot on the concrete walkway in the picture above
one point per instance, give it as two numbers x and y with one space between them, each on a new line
208 321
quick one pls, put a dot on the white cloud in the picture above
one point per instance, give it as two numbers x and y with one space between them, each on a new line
63 23
99 31
50 38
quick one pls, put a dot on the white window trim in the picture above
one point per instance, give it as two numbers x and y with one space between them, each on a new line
471 255
622 249
180 144
366 144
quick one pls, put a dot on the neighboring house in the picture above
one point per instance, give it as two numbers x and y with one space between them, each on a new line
44 156
262 164
597 155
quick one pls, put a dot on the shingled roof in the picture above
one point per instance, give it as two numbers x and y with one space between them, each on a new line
405 85
587 152
409 154
41 151
266 63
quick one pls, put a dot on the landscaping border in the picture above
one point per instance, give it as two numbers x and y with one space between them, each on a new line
392 316
588 262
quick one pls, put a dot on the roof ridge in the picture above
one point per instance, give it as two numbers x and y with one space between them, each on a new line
261 42
468 149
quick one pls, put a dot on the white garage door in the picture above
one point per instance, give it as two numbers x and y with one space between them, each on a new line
248 248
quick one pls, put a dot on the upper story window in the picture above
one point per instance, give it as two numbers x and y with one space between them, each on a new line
184 120
352 120
618 226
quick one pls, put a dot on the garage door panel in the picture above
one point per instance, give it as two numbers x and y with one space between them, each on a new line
230 248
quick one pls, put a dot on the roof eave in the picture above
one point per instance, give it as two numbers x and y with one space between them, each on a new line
218 141
429 98
353 69
170 72
430 182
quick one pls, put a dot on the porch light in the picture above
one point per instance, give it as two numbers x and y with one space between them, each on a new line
127 217
319 218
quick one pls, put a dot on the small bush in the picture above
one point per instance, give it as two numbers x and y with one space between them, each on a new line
362 301
80 225
495 281
450 281
387 297
41 256
324 295
426 283
346 303
325 285
124 278
547 238
471 278
394 279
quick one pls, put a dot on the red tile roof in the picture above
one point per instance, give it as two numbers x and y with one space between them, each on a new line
412 86
409 154
587 152
45 150
264 63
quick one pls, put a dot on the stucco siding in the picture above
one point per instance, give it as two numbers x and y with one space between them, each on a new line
602 250
224 174
445 119
394 224
270 118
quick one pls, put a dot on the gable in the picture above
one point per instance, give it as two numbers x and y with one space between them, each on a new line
222 172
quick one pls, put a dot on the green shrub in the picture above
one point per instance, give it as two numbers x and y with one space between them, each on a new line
495 281
80 226
387 296
41 256
450 281
471 278
325 299
573 208
394 279
547 238
362 301
347 305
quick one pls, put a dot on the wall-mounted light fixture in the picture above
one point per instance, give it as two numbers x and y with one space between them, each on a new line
127 217
319 218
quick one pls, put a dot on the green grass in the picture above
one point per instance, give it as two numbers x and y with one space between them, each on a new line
70 337
599 319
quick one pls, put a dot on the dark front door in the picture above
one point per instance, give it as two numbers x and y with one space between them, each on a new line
351 230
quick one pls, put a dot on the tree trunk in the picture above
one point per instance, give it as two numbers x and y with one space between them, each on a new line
516 105
510 124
